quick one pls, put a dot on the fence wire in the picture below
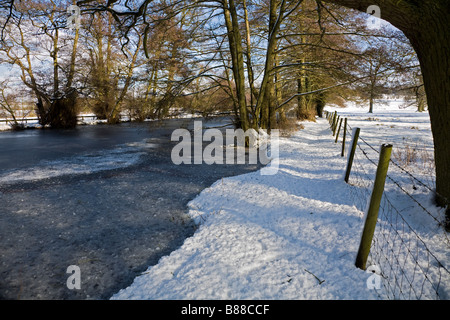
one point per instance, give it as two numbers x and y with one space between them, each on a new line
409 245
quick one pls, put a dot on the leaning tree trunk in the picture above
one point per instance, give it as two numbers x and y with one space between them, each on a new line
433 50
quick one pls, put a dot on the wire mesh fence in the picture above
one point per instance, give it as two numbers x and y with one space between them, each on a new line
410 245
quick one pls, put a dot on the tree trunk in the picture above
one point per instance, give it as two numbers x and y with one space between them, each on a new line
301 105
320 100
371 99
272 58
235 42
63 113
251 77
278 96
420 98
115 112
73 60
302 87
265 104
434 56
54 56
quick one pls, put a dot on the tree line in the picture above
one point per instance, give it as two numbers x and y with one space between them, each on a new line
261 60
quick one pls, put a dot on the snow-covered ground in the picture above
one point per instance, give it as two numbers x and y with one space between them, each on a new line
406 129
293 235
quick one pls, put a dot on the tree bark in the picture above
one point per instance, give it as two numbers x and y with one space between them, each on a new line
251 77
372 93
434 55
265 104
267 95
54 55
235 42
420 98
73 57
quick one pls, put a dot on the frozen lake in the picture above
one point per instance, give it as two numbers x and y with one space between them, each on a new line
105 198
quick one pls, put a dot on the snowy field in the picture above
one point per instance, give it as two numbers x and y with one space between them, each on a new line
295 235
407 130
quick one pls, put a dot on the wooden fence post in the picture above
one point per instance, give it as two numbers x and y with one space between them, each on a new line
344 137
336 125
374 207
334 121
339 130
352 153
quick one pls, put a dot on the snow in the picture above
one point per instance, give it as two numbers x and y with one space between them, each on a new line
290 236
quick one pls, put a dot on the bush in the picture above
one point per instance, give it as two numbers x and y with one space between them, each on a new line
307 115
288 126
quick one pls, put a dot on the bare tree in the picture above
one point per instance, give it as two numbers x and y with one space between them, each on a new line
111 65
56 101
8 104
